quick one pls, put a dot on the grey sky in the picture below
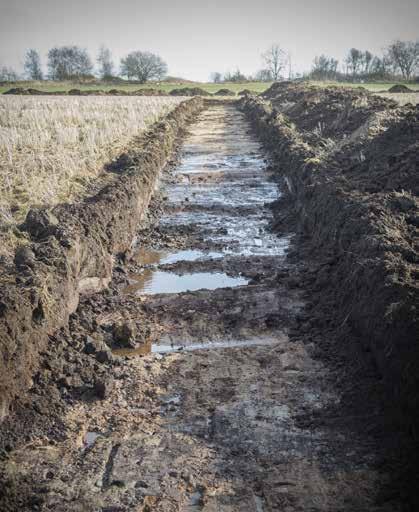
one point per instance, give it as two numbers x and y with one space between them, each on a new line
196 38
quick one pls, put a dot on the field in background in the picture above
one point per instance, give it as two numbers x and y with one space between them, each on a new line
373 87
166 87
51 147
257 87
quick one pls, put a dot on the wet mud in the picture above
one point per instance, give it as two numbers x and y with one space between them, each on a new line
185 386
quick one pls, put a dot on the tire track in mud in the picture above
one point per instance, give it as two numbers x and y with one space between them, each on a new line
218 414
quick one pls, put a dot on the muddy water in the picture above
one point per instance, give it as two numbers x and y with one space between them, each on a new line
220 411
152 281
221 187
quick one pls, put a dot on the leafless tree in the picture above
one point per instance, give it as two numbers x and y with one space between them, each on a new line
68 62
216 77
32 65
104 59
275 59
264 75
354 60
367 58
405 56
8 74
236 76
324 68
143 66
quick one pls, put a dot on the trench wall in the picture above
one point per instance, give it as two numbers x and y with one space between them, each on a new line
72 252
369 267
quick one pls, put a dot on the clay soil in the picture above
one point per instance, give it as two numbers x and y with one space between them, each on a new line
215 373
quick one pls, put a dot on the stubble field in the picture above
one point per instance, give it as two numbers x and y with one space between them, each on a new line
52 147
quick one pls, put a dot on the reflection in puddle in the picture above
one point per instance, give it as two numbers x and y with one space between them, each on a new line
195 502
142 350
237 237
145 256
245 193
259 504
154 348
151 282
89 439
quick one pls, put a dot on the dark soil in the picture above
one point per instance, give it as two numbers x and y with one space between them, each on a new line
189 91
224 92
354 204
400 88
278 424
329 112
323 419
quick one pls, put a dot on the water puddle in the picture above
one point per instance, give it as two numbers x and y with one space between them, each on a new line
236 237
151 282
89 439
155 348
145 256
195 502
244 193
259 503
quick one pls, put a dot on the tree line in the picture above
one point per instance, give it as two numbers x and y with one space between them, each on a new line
276 65
399 59
73 62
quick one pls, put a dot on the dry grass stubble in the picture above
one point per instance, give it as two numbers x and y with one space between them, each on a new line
51 148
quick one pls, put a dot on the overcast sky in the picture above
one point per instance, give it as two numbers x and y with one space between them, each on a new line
196 37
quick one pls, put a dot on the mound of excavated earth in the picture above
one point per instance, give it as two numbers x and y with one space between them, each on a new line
400 88
350 163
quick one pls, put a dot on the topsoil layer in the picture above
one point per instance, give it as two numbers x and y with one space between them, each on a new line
400 88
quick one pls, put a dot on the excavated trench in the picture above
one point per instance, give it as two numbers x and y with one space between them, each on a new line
213 412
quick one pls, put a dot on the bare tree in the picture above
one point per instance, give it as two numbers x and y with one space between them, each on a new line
264 75
144 66
68 62
8 74
354 60
237 76
405 56
32 65
324 68
216 77
104 59
275 59
367 58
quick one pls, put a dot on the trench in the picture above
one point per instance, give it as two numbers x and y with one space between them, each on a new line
220 410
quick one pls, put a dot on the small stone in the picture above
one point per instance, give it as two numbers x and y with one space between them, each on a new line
93 345
103 387
65 382
124 334
40 223
104 356
24 257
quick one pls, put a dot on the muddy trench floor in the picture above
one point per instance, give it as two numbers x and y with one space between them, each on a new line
222 406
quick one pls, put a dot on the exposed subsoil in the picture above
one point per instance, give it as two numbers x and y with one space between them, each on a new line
231 397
